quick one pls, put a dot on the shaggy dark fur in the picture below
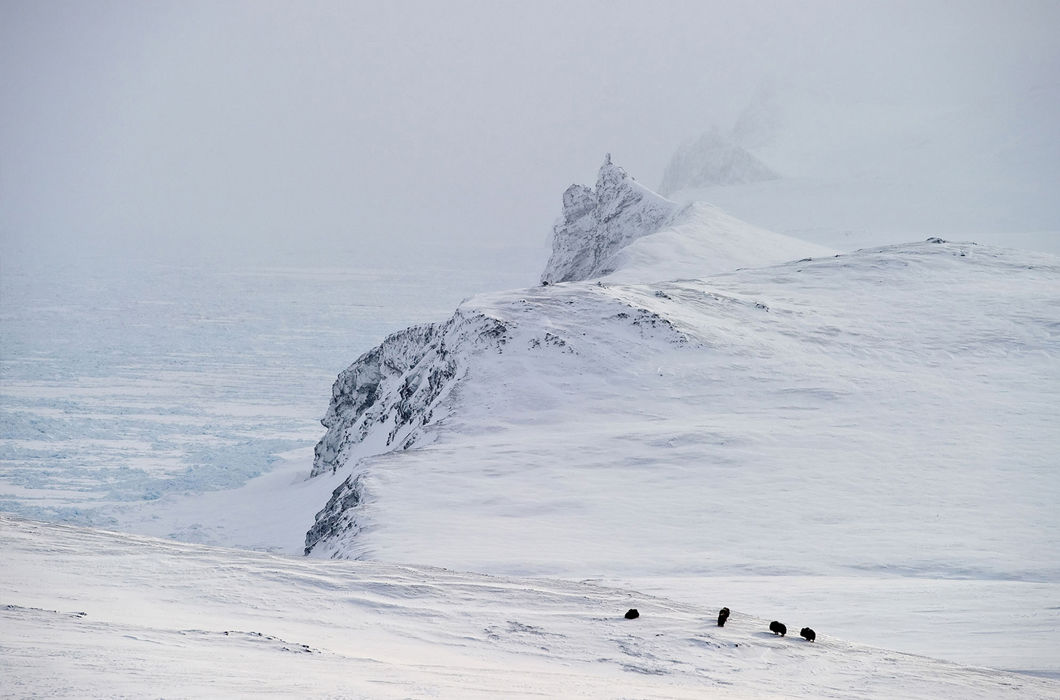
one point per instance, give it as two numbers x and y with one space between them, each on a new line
723 616
778 628
808 634
632 614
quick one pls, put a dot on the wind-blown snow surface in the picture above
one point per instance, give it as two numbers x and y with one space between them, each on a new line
88 613
880 416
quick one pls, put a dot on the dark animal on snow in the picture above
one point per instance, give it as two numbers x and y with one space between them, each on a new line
778 628
808 634
632 614
723 616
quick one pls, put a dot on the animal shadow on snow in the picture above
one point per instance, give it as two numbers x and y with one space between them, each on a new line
770 635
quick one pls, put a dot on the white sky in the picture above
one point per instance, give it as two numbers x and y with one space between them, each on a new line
257 122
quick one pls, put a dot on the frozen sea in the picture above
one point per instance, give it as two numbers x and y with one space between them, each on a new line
126 378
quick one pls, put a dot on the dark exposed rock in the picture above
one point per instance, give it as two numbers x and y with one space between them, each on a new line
394 388
338 515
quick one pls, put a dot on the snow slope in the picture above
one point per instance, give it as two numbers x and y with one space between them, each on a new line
702 240
886 414
87 613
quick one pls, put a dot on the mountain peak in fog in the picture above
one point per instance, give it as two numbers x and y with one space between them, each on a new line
713 159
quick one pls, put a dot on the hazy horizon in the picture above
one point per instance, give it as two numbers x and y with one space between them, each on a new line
130 126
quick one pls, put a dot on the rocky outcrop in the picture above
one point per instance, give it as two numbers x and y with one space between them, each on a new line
383 401
597 223
712 159
338 517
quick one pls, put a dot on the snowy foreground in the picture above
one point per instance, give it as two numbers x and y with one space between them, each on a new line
87 613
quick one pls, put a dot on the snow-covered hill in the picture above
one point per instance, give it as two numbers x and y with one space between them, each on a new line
882 414
857 391
620 231
86 613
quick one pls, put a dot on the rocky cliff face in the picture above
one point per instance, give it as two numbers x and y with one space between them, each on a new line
338 518
383 400
597 223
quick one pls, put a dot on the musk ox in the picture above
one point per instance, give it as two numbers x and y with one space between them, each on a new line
632 614
778 628
723 616
808 634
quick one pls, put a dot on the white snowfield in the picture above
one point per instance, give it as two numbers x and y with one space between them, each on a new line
864 438
87 613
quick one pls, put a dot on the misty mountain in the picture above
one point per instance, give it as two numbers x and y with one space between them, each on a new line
712 159
877 172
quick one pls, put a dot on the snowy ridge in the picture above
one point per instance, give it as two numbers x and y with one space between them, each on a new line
384 402
767 422
703 240
699 415
100 614
597 223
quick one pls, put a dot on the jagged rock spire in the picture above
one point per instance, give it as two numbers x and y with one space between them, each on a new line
598 223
